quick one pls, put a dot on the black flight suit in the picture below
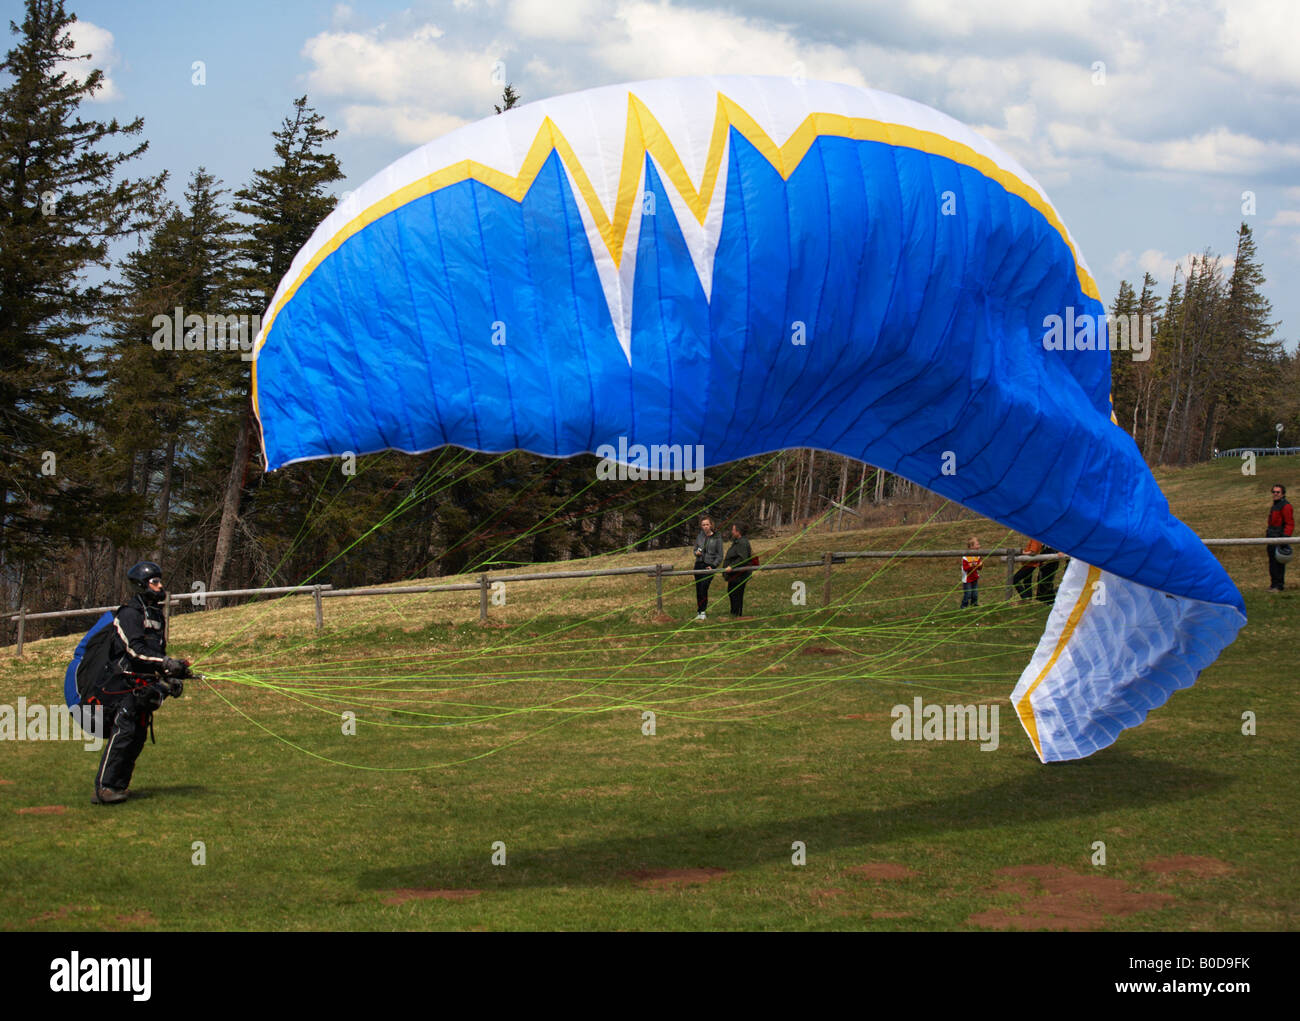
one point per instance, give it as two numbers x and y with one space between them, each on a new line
130 692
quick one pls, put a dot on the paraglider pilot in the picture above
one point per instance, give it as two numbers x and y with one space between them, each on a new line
139 676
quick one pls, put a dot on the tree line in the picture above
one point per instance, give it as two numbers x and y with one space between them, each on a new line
1217 377
118 447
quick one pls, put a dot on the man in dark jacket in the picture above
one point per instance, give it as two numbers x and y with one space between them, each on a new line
1046 574
737 569
1024 576
708 557
1281 523
139 676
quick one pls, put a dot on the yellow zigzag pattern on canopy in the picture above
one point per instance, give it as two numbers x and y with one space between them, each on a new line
644 134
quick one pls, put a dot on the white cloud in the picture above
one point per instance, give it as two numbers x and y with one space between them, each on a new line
963 18
547 19
406 124
410 88
98 43
1217 151
1259 39
648 39
1158 265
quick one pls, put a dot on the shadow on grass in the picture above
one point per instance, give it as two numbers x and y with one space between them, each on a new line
1118 782
171 791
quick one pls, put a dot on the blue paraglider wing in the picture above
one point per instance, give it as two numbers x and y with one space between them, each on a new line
747 265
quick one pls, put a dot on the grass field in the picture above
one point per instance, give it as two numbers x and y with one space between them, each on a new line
525 739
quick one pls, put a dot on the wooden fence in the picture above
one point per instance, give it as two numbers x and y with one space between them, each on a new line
483 582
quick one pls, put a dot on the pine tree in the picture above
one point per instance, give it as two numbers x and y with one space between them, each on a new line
63 201
509 97
1247 360
164 383
1123 371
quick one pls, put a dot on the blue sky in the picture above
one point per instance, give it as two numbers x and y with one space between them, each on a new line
1147 157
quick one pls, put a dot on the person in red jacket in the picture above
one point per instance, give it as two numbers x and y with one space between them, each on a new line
970 574
1281 523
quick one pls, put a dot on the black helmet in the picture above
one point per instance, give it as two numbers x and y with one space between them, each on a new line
140 575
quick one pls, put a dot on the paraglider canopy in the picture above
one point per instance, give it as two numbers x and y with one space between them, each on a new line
743 265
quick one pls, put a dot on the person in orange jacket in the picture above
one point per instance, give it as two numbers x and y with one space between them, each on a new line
1024 576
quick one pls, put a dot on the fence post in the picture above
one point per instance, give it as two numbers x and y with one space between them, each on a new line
320 612
1011 575
482 598
659 587
826 584
22 623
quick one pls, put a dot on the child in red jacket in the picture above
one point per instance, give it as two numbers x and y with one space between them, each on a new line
970 574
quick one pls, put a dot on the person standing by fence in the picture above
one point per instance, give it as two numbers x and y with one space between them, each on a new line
1024 577
1046 592
737 567
970 574
1281 523
708 557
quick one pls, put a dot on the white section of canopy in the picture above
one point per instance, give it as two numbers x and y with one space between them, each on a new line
1112 651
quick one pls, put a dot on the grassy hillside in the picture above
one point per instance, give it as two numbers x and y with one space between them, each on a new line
772 739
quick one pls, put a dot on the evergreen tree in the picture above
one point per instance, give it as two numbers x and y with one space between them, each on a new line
509 97
1123 371
167 379
1247 362
63 201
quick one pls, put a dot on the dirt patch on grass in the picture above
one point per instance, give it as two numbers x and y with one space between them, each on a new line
1189 863
662 878
402 896
141 917
822 650
1055 897
868 716
881 870
42 810
5 782
56 914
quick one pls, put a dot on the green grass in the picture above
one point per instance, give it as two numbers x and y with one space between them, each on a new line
768 731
